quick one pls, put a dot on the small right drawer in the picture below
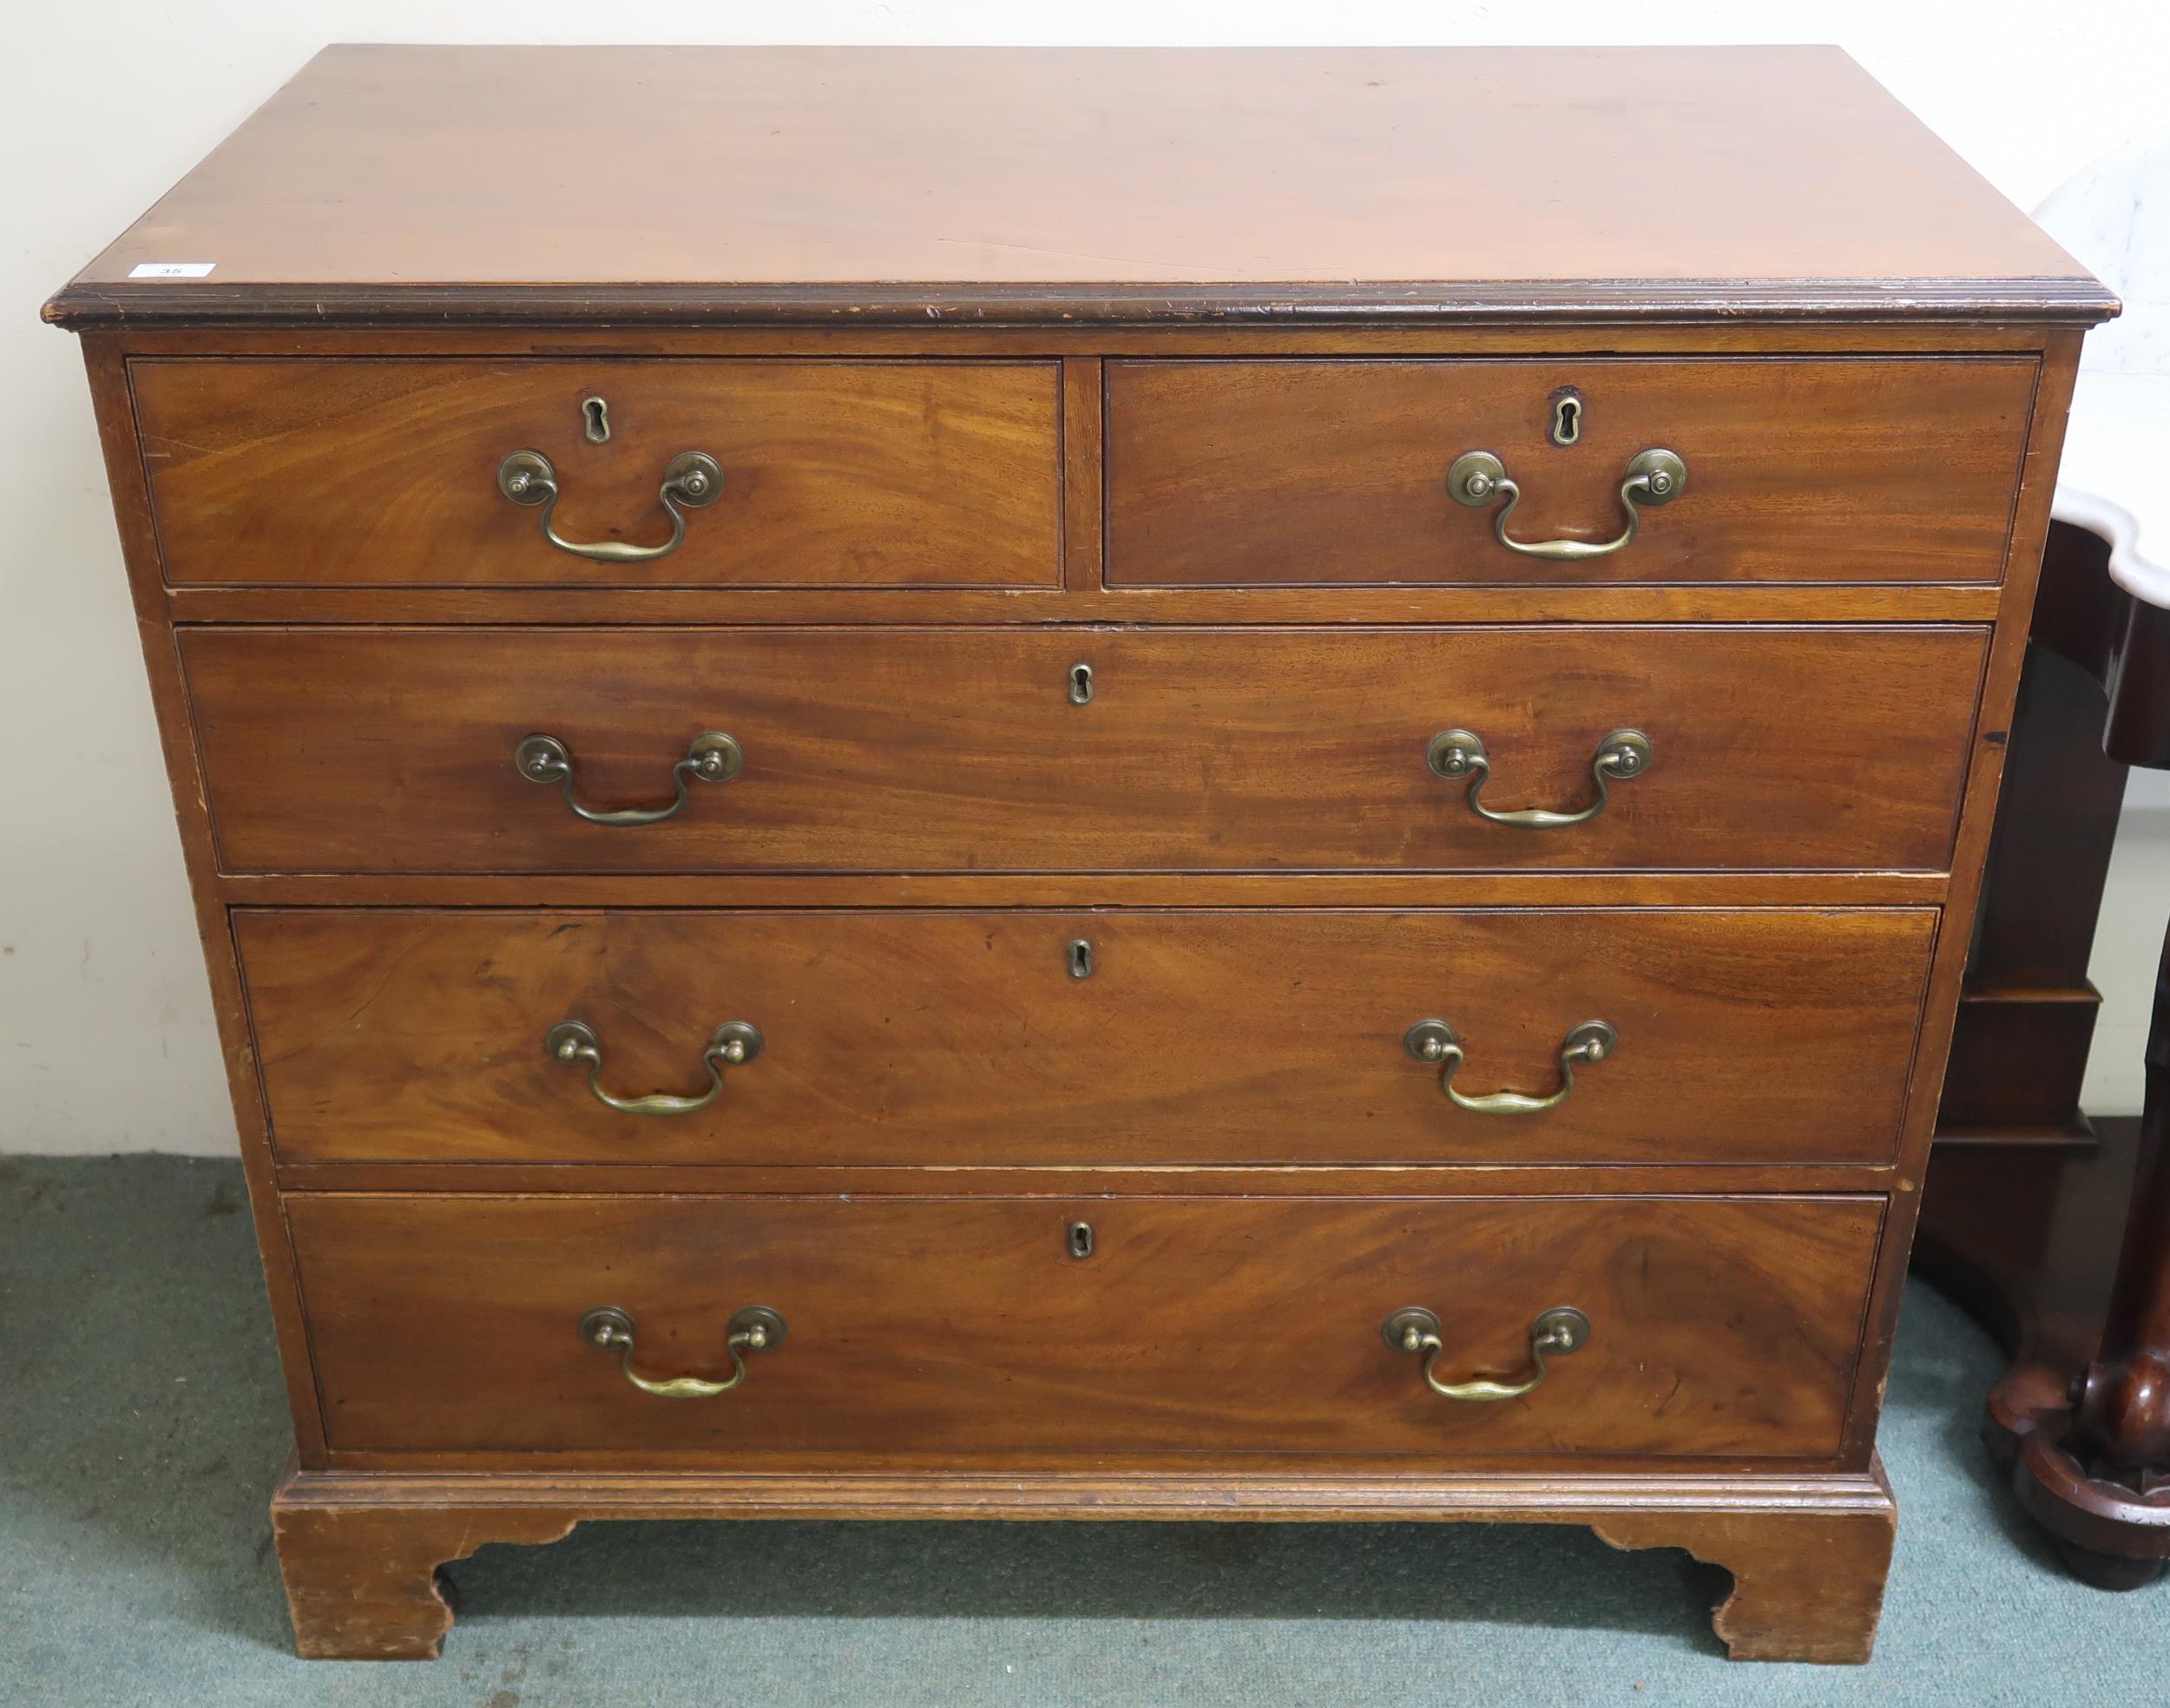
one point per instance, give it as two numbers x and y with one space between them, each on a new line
1563 469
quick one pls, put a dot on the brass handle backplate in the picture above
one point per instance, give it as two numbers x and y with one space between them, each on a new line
1457 753
1433 1041
1654 477
752 1329
1556 1332
711 757
692 479
732 1044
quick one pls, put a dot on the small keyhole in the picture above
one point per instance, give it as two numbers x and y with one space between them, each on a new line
1567 420
1081 684
1080 953
1080 1237
598 416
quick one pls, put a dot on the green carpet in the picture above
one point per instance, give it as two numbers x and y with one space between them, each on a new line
142 1424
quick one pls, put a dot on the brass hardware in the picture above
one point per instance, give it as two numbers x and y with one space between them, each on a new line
1080 684
1079 1239
1557 1332
1079 954
1567 417
1457 753
693 479
711 757
596 414
732 1044
1433 1042
1654 477
752 1329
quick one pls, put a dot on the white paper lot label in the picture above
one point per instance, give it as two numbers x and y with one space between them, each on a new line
172 270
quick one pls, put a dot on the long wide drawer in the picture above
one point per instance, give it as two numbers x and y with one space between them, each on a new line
979 750
929 1325
1087 1038
1801 469
389 472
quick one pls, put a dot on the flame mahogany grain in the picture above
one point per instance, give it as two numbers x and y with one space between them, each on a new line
1293 473
1205 750
1207 1328
376 473
959 1037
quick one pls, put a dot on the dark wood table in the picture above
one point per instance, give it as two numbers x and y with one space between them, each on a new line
2054 1229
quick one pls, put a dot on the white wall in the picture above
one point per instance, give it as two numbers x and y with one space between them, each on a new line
106 1041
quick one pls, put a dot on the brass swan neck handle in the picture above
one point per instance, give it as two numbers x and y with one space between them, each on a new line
1455 753
1652 478
1434 1042
752 1329
1555 1334
692 479
731 1044
711 757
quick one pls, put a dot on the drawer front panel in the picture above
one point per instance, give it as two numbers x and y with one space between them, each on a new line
1718 1326
888 474
1807 471
962 1038
1199 750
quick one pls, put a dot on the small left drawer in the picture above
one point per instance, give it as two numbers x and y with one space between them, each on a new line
699 472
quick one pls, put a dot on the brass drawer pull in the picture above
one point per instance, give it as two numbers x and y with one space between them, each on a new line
734 1044
1433 1041
711 757
752 1329
693 479
1654 477
1558 1331
1457 753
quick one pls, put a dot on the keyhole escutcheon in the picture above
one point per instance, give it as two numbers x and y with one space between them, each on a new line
1080 684
1567 417
596 413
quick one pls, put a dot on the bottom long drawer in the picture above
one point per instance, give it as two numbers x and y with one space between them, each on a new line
469 1324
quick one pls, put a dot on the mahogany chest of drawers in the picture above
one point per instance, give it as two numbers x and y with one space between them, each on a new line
1116 785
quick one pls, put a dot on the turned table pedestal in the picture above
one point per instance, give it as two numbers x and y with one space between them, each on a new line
2054 1229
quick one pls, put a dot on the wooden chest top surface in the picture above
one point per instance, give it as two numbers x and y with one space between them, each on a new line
1074 186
